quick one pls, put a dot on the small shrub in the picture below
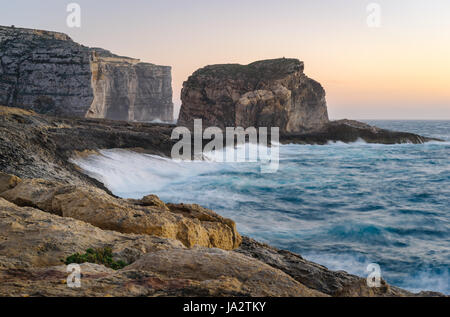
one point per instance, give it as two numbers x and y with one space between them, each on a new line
98 256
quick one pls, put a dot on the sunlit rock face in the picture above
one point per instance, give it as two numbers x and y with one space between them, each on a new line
269 93
51 74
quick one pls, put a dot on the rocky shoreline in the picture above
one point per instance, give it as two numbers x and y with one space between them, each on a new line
51 210
49 73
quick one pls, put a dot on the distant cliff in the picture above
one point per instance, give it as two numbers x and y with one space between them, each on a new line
51 74
270 93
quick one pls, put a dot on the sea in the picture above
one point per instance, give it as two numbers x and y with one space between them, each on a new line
340 205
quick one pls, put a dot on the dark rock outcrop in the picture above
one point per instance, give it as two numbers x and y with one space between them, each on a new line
270 93
51 74
194 226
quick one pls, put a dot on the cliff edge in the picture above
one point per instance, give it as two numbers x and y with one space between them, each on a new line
50 210
51 74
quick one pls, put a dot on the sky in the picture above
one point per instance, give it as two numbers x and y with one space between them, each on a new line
398 70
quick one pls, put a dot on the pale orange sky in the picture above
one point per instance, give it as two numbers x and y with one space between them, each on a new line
400 70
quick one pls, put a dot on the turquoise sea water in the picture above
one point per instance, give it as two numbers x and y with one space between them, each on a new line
341 205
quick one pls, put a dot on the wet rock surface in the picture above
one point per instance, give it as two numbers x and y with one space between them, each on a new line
39 146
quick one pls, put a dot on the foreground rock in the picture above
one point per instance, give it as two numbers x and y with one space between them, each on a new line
271 93
190 224
39 146
33 243
49 73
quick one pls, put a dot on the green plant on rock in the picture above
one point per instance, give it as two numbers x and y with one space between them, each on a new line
98 256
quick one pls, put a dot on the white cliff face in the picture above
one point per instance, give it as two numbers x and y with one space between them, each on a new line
125 88
49 73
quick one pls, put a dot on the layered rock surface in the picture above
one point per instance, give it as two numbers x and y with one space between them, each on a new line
51 74
38 146
270 93
195 226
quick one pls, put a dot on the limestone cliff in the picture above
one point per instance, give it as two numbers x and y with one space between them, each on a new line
51 74
270 93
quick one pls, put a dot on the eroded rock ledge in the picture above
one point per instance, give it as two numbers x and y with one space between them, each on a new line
171 250
269 93
51 74
190 224
351 131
